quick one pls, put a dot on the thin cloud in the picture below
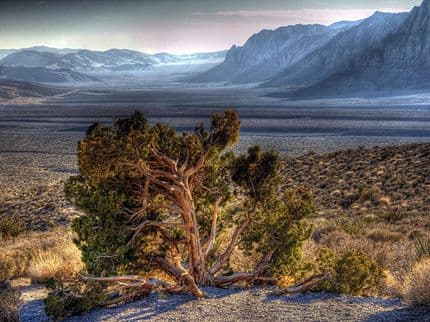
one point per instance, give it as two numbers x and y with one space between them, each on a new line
302 15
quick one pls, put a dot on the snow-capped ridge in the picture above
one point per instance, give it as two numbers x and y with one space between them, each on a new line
85 60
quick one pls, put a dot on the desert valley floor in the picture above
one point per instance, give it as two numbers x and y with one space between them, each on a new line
38 152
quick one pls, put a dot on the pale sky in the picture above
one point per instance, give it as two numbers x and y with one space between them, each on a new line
176 26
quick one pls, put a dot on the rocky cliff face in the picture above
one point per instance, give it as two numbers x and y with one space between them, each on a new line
267 53
410 46
400 61
336 56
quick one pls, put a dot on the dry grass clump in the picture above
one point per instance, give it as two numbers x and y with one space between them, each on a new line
417 284
396 216
9 300
370 218
14 262
352 227
380 235
40 255
11 226
61 261
422 247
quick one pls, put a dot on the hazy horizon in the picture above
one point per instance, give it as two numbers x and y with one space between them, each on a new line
178 27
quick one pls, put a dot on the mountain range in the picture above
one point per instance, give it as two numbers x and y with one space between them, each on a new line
268 52
52 65
85 60
400 62
385 52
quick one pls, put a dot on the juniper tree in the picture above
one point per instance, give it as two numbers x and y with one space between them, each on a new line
156 199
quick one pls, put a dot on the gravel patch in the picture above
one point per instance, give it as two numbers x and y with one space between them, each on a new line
32 307
256 304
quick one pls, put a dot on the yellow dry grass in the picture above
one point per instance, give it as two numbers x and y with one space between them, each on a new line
416 289
40 256
60 261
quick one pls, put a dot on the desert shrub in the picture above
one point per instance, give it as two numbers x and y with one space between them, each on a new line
416 234
73 298
417 291
352 227
422 247
352 273
11 226
371 194
384 236
369 218
322 230
9 300
349 199
395 216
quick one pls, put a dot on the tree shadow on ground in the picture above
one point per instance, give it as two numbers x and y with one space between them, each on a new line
154 305
400 315
308 298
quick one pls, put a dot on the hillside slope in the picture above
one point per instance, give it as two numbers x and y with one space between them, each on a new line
43 75
380 180
14 89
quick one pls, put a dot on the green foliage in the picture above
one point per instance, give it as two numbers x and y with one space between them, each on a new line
258 173
353 273
73 299
281 224
11 226
102 234
109 186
